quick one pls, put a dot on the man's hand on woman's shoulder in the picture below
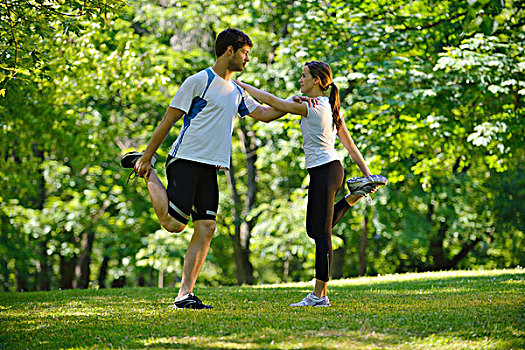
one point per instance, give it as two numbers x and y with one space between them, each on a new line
311 101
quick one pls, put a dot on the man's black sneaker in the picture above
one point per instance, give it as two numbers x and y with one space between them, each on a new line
129 159
190 301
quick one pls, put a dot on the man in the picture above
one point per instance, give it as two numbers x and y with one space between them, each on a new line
209 102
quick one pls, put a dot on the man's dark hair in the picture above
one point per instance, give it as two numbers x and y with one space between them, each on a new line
231 37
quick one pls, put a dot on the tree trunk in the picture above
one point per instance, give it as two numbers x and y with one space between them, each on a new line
67 272
151 276
241 237
43 265
338 262
441 262
84 263
141 280
5 273
286 267
362 248
103 273
161 279
21 278
241 209
436 248
467 248
241 252
44 268
83 268
119 282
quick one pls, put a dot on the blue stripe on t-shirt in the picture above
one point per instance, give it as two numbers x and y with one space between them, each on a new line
242 109
210 78
197 105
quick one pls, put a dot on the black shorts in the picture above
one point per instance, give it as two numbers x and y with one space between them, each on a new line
192 190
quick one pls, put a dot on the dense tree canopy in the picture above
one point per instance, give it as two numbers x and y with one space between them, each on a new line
432 94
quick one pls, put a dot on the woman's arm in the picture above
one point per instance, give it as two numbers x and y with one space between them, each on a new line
274 101
349 144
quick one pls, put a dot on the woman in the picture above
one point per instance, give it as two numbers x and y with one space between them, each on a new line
319 125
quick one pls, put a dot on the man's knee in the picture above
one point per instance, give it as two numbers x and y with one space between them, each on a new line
205 228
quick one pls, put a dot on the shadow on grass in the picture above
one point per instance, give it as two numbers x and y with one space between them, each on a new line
322 340
405 312
418 281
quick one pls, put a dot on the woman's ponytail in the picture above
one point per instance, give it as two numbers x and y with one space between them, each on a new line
335 102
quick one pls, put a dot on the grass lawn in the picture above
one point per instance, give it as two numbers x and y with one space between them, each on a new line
443 310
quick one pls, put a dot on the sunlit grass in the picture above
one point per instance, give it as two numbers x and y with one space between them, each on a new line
442 310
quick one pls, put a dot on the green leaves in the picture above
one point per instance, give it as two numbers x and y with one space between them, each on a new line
28 24
432 94
486 15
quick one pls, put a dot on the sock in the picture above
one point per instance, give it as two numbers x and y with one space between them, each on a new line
182 297
314 297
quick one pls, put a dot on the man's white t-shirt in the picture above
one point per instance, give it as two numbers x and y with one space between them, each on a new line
319 133
205 136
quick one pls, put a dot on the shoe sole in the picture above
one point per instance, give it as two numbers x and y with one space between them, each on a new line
352 187
175 307
129 159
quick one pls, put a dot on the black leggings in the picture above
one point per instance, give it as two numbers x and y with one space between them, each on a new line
322 214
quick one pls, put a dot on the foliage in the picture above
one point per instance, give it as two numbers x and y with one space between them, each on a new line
431 92
26 25
430 109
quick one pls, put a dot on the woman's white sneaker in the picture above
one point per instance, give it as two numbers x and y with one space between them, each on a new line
364 185
312 300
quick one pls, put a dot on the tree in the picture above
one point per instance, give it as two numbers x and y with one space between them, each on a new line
432 94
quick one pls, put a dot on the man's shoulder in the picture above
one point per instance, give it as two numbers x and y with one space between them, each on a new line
200 76
196 82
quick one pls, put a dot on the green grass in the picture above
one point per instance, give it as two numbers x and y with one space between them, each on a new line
445 310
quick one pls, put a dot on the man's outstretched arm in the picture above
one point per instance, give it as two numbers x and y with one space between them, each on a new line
266 114
143 165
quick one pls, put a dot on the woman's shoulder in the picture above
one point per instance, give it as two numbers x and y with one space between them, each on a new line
324 100
324 104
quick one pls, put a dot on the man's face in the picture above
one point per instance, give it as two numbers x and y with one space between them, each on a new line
239 59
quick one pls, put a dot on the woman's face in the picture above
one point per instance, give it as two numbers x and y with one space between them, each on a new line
307 81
